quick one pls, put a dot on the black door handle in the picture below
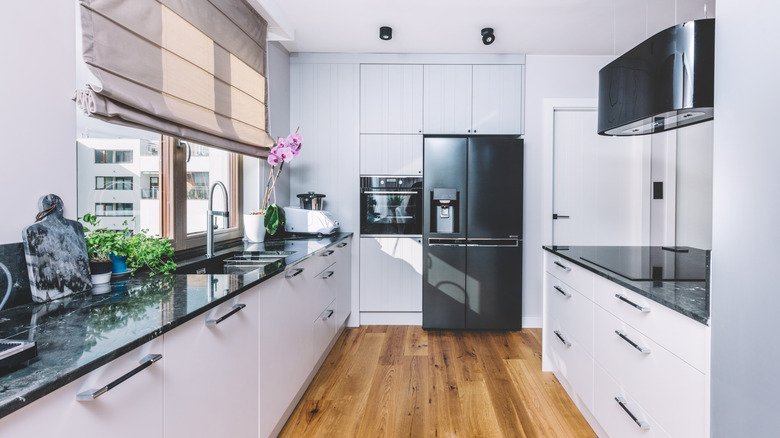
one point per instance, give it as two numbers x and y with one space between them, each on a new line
559 216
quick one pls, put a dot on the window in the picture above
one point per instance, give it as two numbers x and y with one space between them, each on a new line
124 209
162 184
113 183
103 156
198 185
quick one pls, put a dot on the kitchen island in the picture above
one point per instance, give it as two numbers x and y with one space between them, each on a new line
626 329
81 333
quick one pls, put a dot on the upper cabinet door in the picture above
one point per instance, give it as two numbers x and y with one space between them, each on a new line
391 154
498 99
447 100
391 99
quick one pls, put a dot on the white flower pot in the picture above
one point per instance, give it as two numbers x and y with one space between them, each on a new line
254 227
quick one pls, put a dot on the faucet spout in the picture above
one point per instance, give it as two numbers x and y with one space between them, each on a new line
210 213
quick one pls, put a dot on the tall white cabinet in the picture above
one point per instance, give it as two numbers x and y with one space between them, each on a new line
391 99
390 276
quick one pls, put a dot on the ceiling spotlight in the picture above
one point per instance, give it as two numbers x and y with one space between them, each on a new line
386 33
487 36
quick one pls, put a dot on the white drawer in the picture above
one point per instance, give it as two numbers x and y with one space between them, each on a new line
615 420
572 310
670 390
677 333
577 277
570 360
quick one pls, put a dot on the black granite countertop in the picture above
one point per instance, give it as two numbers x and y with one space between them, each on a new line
80 333
688 297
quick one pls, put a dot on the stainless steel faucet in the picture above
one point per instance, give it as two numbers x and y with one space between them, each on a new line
210 213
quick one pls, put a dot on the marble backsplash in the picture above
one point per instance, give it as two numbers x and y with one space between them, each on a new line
12 256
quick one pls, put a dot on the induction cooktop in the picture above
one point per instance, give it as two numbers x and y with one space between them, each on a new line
651 263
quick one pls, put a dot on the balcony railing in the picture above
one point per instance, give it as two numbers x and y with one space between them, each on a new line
152 193
198 192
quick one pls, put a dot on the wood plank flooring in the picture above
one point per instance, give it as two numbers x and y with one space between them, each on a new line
394 381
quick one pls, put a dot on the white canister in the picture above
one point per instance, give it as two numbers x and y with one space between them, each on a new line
254 227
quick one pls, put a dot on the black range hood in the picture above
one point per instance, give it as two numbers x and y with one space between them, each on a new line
664 83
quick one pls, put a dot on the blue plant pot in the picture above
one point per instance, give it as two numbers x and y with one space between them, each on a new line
118 264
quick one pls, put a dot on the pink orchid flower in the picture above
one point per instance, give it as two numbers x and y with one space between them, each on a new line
273 158
284 153
294 139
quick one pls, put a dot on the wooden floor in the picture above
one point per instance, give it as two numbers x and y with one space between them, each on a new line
402 381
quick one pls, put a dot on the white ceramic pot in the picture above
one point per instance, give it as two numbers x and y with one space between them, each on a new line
254 227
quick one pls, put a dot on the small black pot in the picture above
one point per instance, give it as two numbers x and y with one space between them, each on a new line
97 267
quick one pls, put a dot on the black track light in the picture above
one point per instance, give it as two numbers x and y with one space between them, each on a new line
487 36
386 33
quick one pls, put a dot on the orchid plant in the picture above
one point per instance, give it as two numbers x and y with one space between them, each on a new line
286 150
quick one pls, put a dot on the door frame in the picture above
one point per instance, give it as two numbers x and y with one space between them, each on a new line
549 106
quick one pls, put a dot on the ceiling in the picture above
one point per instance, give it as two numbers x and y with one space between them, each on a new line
565 27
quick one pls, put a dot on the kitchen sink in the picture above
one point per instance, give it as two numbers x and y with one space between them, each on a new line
240 262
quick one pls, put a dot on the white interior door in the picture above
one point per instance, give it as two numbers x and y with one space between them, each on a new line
601 188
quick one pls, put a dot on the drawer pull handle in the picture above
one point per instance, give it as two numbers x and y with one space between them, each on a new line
236 308
563 292
327 253
294 273
560 336
326 315
92 394
625 337
633 304
327 274
562 266
341 245
622 402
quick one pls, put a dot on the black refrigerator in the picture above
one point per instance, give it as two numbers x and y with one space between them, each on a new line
472 233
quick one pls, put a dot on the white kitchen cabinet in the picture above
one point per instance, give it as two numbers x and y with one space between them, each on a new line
391 99
133 408
285 347
635 352
497 103
343 280
391 154
211 379
296 328
390 274
447 101
478 99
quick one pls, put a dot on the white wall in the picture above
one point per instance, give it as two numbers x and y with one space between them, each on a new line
694 186
256 170
547 77
746 207
37 117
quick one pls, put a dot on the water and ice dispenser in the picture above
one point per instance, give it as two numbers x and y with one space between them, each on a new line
445 216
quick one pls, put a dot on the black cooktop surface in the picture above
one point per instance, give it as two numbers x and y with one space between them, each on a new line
647 263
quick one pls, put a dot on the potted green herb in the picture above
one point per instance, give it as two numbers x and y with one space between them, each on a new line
122 249
101 244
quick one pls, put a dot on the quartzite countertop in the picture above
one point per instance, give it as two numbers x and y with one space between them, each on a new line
80 333
690 298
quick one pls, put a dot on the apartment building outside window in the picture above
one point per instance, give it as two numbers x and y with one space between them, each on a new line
123 209
113 183
105 156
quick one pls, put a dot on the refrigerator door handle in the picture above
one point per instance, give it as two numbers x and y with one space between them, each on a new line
438 241
493 243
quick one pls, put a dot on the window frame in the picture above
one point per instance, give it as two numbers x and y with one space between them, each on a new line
173 178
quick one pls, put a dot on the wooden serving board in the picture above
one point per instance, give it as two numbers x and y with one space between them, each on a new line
56 253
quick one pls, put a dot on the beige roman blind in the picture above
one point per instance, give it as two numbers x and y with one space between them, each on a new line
192 69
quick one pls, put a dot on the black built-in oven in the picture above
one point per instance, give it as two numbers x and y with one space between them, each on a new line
391 205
